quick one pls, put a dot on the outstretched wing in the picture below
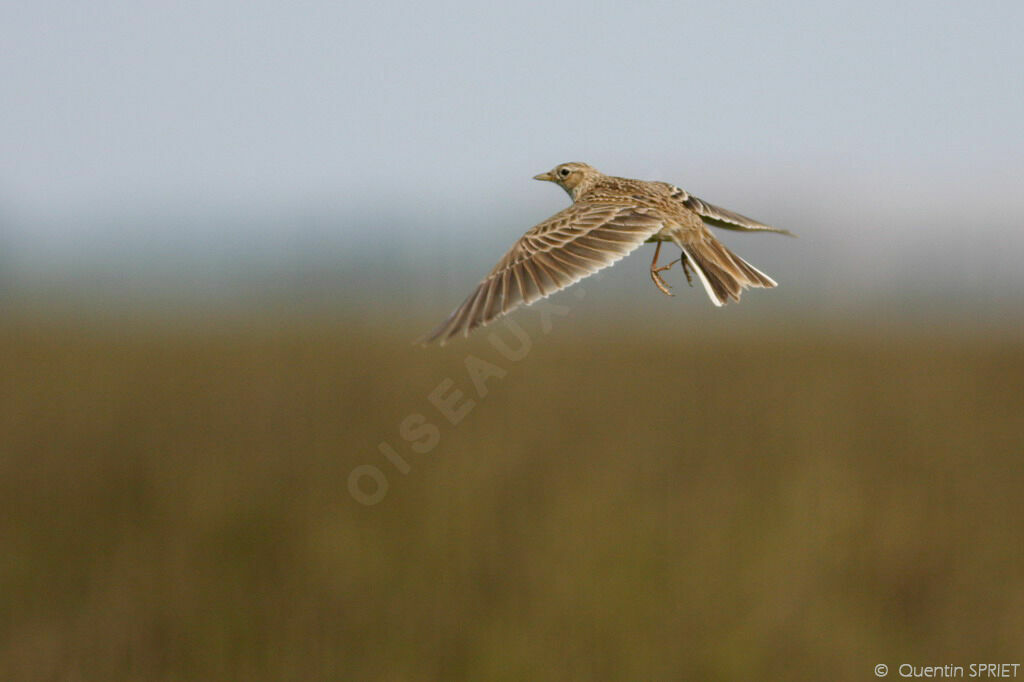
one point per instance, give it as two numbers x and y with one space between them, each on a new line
551 256
720 217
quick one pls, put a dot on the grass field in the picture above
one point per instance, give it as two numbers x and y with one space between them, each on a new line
175 503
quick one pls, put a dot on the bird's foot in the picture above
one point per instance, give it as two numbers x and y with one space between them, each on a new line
686 270
662 285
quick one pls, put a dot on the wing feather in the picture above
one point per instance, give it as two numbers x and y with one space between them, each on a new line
551 256
720 217
517 275
559 275
537 279
552 277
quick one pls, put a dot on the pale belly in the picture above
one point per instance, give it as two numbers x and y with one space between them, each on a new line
688 227
664 234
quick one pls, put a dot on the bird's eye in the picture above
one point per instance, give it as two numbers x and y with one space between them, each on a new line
564 172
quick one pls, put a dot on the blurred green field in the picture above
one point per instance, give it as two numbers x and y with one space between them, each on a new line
174 503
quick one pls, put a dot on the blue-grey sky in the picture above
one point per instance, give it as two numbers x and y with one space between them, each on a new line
887 118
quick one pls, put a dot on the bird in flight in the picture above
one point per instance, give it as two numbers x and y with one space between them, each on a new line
609 218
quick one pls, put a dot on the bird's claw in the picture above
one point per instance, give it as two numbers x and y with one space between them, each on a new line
662 285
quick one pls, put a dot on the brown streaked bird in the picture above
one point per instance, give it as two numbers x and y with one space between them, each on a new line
609 218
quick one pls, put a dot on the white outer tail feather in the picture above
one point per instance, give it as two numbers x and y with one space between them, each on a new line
703 278
744 282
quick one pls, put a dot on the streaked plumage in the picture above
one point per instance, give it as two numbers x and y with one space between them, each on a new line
610 217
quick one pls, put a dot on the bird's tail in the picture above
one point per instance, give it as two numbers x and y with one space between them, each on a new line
723 274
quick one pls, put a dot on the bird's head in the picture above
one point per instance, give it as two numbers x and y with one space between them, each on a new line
575 178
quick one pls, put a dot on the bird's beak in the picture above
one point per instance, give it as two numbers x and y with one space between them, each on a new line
544 176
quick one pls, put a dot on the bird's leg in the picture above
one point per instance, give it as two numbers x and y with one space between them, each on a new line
686 268
656 272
